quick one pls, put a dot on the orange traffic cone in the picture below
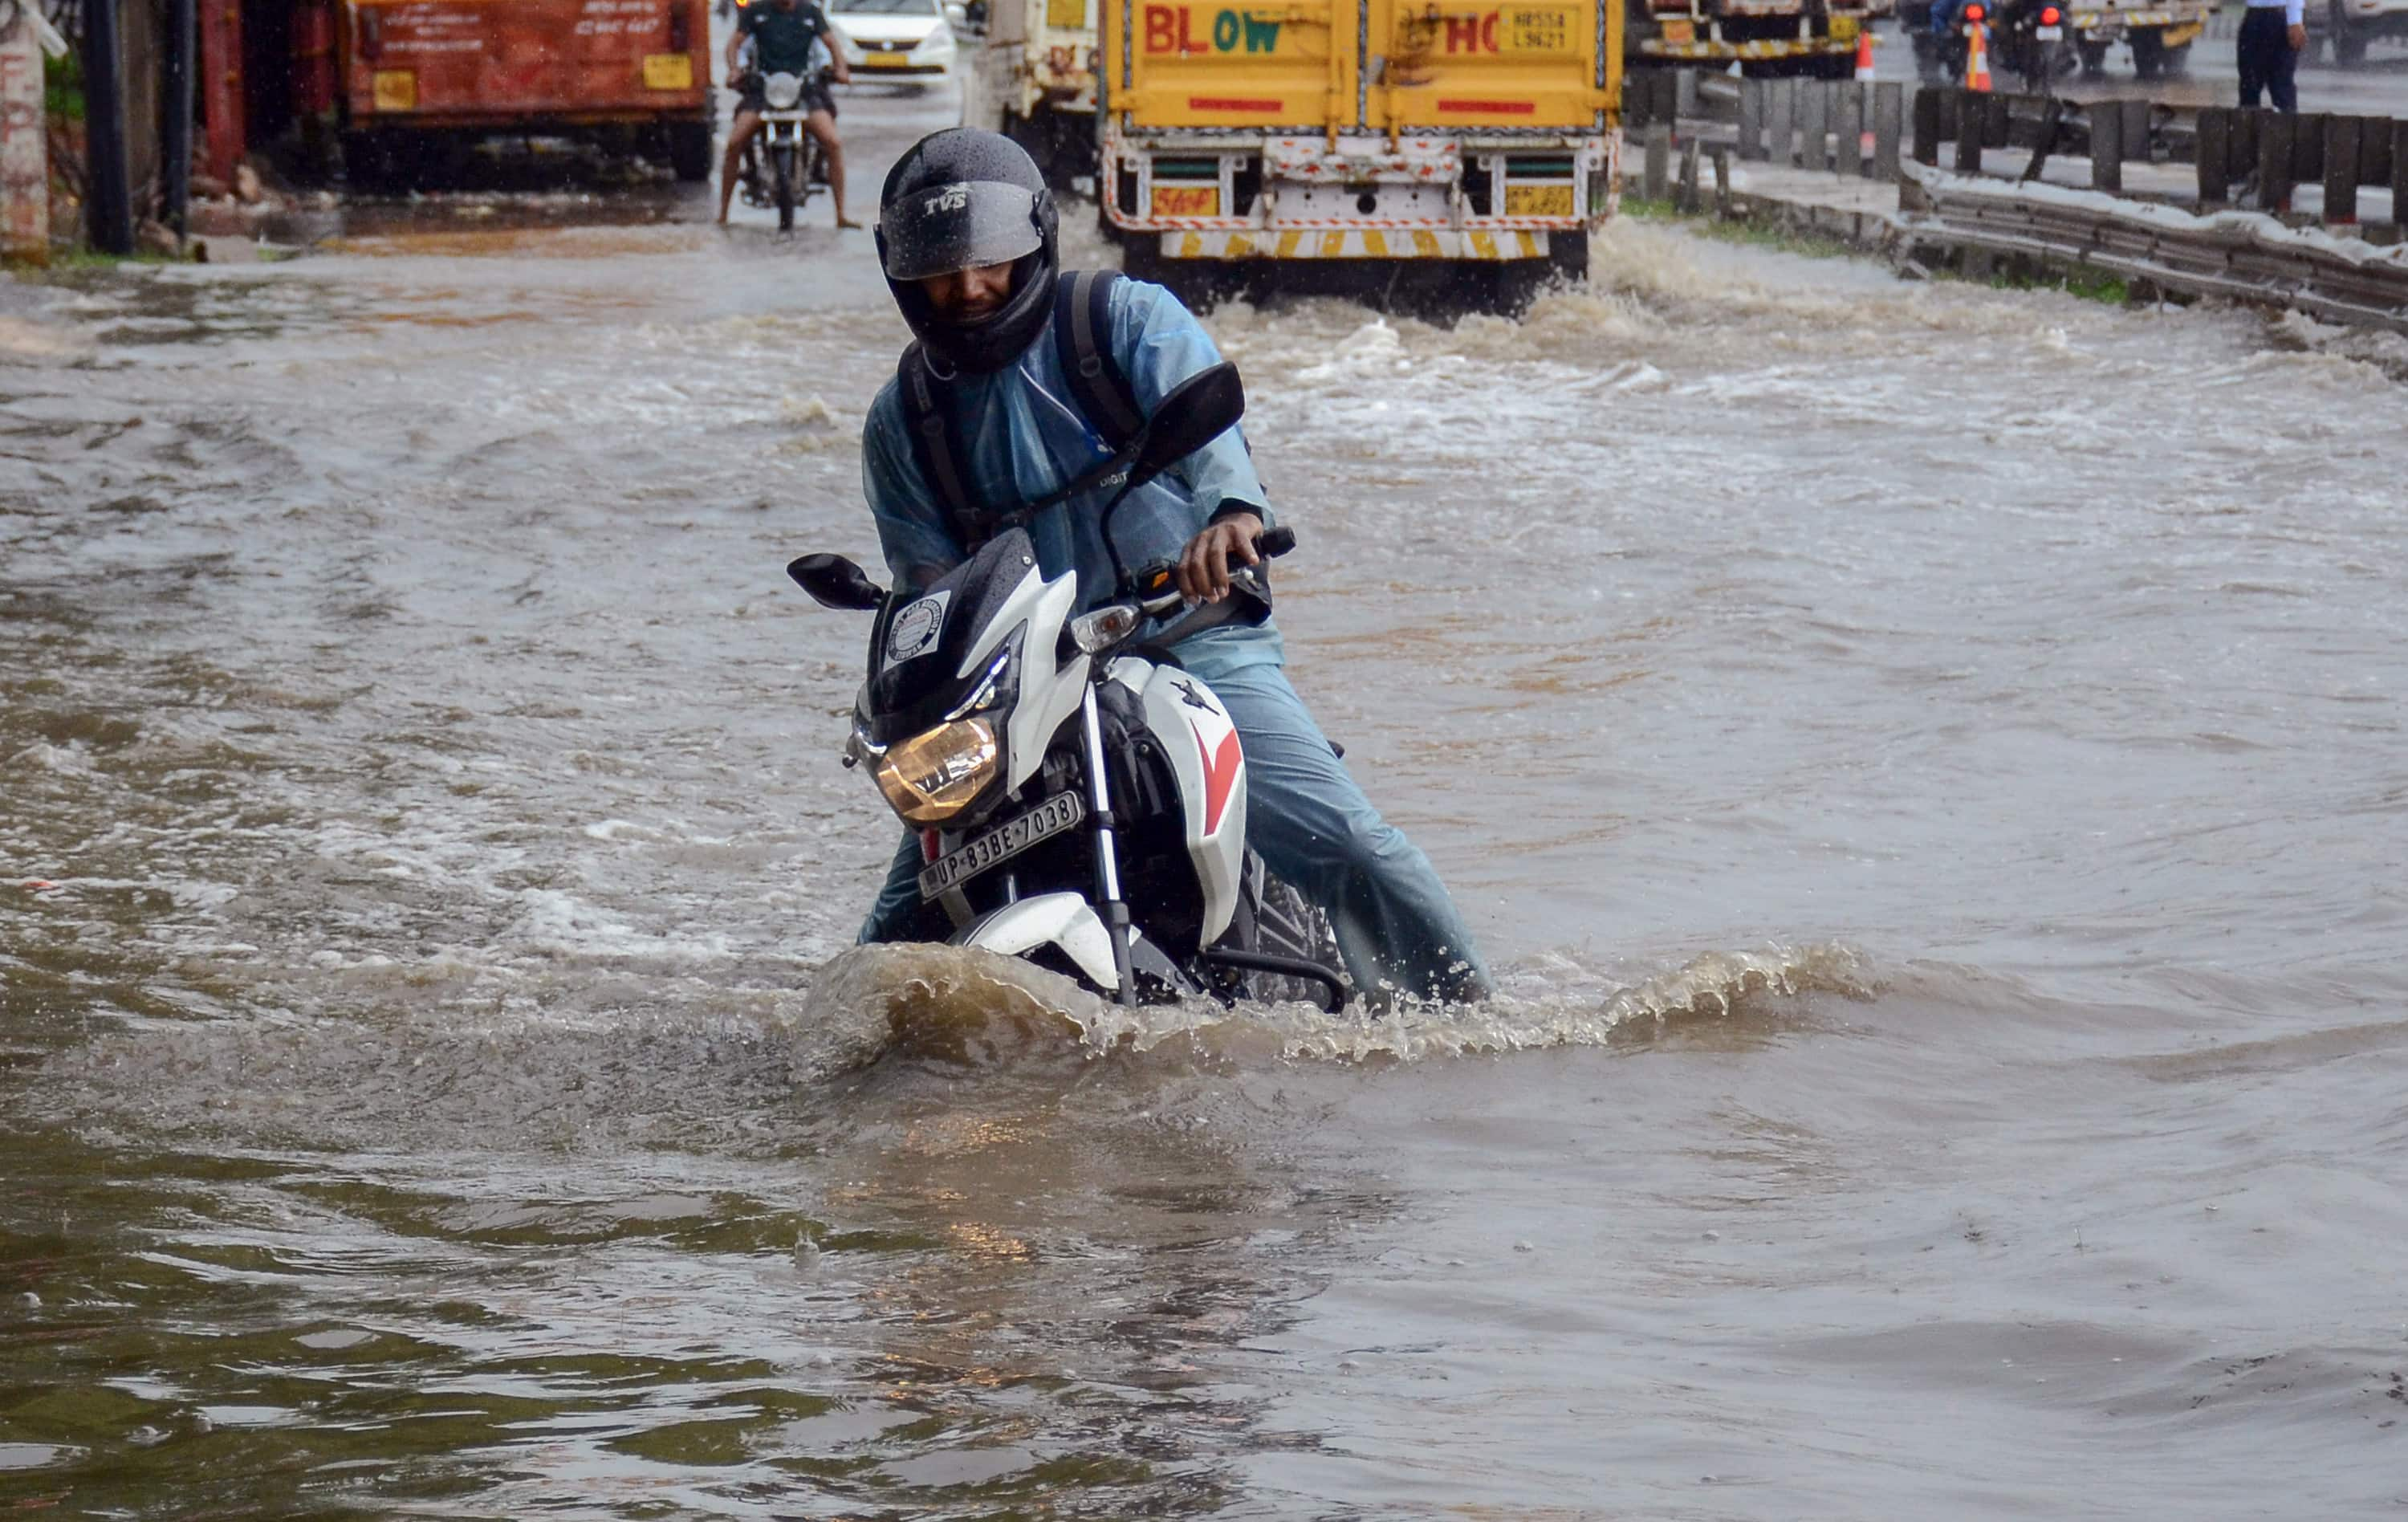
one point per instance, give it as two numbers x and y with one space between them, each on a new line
1977 58
1865 57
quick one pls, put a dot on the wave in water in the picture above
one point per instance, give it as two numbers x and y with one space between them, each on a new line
725 1072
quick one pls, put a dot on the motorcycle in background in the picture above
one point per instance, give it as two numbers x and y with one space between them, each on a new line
2026 37
783 166
2031 38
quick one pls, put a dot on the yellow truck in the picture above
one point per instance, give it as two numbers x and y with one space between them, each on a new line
1815 38
1032 77
1359 141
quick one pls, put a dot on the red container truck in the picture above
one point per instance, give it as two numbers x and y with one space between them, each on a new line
423 79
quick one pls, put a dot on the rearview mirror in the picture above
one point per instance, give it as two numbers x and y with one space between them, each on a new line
835 582
1198 411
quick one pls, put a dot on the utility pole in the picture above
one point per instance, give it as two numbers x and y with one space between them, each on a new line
110 214
176 133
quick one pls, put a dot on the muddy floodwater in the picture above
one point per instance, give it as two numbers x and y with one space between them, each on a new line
1926 760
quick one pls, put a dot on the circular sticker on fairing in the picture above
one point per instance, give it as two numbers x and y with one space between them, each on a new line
915 629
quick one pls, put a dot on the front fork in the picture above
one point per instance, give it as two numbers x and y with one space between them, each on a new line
1108 862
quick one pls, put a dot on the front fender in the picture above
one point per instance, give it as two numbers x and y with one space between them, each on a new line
1059 919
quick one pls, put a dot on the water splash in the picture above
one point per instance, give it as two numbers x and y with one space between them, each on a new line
974 1007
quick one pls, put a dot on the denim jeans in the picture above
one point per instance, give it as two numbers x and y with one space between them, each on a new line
1313 827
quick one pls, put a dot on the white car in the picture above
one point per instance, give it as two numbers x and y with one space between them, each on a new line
893 37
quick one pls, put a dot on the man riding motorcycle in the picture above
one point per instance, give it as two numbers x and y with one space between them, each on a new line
781 33
967 237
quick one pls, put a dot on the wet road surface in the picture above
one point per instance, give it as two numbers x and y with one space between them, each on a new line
1926 759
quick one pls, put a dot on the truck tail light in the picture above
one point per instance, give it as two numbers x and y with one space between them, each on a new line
371 35
680 28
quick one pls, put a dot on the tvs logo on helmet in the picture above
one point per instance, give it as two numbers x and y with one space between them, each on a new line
950 198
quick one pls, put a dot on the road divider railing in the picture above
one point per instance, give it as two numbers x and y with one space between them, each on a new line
2268 154
2109 133
1847 127
1992 205
2239 255
2253 158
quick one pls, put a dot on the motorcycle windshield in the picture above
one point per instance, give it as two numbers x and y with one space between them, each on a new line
919 642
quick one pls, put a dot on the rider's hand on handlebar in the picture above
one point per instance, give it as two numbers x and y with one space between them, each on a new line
1204 564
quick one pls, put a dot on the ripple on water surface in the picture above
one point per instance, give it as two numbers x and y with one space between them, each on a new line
438 1084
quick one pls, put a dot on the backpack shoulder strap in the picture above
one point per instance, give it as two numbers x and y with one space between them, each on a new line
1082 341
936 444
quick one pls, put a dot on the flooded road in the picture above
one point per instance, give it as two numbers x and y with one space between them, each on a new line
1926 760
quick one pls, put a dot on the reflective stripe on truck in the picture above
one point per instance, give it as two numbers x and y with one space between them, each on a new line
1367 244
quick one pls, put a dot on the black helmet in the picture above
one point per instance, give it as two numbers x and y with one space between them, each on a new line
958 199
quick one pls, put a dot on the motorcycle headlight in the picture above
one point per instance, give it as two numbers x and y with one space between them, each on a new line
782 91
939 772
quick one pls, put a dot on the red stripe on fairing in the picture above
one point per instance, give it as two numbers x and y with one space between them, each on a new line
1220 773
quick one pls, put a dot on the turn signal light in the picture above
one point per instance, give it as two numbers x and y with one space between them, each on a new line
1100 631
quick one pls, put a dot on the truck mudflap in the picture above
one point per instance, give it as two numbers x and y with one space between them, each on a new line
1476 245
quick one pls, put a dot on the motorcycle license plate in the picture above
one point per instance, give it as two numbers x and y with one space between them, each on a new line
1061 812
2049 34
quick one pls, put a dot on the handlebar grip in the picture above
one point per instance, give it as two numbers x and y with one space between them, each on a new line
1276 542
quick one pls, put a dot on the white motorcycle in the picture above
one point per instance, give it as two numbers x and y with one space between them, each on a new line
1081 799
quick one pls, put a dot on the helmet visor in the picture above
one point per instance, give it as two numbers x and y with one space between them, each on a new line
939 229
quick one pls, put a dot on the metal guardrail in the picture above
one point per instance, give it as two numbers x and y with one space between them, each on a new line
2347 275
2237 254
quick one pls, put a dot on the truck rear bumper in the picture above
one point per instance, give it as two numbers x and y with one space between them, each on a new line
1476 245
1758 32
1431 197
1723 52
2091 20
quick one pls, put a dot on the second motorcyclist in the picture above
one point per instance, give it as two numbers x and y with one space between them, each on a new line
781 33
966 236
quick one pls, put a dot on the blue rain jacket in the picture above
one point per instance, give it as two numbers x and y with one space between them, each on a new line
1024 439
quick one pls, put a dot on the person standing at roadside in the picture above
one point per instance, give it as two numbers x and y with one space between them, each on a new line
2273 32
